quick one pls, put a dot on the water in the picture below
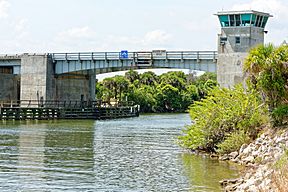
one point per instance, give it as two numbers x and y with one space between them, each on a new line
136 154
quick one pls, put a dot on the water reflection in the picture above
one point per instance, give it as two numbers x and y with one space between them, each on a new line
31 147
47 155
205 173
137 154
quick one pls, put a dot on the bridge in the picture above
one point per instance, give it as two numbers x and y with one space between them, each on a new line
72 76
103 62
116 61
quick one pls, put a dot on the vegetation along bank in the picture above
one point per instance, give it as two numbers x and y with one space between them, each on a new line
248 125
169 92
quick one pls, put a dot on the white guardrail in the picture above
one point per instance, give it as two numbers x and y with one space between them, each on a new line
157 54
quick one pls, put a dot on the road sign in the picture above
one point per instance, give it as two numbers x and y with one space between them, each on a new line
124 54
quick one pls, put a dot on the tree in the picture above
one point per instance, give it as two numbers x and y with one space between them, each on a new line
267 71
175 78
109 85
144 97
168 92
168 98
148 78
121 86
132 75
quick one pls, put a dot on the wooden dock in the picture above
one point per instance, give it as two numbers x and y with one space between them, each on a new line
41 110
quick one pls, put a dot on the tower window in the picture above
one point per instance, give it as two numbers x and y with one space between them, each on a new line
232 20
224 20
237 40
238 20
223 39
246 19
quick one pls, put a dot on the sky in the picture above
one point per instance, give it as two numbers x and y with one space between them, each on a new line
38 26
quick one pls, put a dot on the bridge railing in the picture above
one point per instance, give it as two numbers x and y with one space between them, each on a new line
135 55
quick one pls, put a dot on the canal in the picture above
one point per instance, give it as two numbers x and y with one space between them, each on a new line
135 154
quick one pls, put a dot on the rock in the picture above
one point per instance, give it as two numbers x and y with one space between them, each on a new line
279 140
252 188
233 155
249 159
258 158
247 150
242 148
213 155
225 182
255 153
224 157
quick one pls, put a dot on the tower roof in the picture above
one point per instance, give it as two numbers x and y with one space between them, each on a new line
245 18
243 12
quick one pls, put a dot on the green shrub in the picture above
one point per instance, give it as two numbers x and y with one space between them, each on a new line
280 114
267 72
220 116
233 142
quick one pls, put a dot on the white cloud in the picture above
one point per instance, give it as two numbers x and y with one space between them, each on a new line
78 33
74 39
21 25
4 5
157 37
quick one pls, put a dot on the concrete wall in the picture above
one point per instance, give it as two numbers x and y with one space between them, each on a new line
34 69
9 87
229 69
231 55
38 80
71 87
249 37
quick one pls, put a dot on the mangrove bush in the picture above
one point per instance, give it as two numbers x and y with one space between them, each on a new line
224 120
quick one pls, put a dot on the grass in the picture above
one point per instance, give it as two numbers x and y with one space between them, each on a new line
280 175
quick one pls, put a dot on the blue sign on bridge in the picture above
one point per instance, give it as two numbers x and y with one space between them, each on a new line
124 54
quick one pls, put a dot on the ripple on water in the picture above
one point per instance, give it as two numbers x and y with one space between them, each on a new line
136 154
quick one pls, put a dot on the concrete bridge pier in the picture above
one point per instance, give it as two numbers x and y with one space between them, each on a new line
39 81
37 77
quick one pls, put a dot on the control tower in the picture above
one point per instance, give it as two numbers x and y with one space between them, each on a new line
240 31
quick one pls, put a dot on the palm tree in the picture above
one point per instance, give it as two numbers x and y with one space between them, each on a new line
132 75
267 70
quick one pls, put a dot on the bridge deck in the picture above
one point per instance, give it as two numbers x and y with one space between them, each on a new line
115 61
134 55
103 62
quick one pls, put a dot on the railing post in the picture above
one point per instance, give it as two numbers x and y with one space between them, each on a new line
151 58
105 54
79 57
198 57
214 56
166 57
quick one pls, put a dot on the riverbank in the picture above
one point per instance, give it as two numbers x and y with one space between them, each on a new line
263 160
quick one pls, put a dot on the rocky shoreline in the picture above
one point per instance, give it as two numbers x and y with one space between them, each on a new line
258 158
